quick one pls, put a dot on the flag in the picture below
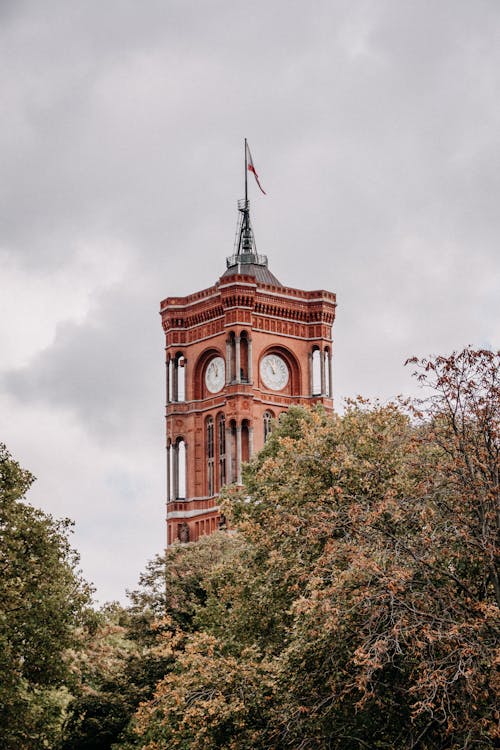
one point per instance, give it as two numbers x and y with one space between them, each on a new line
252 169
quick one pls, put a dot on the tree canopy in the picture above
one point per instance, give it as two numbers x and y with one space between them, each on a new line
43 600
356 605
353 603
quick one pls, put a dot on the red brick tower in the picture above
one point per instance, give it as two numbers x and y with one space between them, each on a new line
238 354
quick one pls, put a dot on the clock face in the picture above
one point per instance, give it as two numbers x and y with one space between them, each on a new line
274 372
215 374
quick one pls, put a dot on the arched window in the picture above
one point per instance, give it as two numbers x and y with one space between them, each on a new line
178 469
231 358
245 441
267 419
169 380
328 372
181 377
176 378
221 433
233 476
316 372
170 493
244 357
210 455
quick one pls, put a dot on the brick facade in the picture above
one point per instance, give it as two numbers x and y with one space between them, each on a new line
240 319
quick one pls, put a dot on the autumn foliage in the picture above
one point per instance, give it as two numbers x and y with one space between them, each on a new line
356 603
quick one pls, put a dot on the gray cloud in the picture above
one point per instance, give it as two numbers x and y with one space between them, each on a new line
375 128
107 371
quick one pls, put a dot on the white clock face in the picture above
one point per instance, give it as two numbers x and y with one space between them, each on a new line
215 374
274 372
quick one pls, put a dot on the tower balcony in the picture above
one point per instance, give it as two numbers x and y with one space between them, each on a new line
243 258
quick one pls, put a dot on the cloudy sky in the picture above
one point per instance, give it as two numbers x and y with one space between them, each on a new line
375 127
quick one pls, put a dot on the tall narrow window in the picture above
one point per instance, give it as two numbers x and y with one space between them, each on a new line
328 372
267 424
170 475
177 378
244 357
245 441
316 372
210 456
180 469
231 351
221 430
233 454
169 383
181 378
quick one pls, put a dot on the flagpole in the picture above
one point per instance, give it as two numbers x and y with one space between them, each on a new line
246 176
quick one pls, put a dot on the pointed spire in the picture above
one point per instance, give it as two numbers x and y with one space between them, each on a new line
245 259
246 240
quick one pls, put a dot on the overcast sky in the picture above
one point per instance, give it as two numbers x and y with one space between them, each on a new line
375 128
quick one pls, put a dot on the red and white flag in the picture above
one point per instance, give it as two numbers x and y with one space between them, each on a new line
251 168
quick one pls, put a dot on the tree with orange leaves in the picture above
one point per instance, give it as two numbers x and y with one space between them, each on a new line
358 606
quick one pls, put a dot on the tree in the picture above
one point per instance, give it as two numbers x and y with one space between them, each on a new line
359 605
42 602
214 688
121 662
462 412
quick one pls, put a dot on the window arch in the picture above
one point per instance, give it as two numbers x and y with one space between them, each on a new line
231 357
233 474
169 379
176 377
210 448
267 418
328 372
239 357
170 452
245 441
176 469
244 357
316 372
221 438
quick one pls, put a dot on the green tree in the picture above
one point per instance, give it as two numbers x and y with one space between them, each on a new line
358 606
112 671
124 657
43 601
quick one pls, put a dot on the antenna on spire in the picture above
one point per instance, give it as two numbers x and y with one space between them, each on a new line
246 171
245 237
245 250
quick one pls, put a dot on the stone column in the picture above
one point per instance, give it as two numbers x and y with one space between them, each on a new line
238 454
238 361
228 362
250 367
323 379
311 374
250 442
168 379
229 456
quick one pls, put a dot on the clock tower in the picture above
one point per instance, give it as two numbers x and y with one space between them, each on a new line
238 354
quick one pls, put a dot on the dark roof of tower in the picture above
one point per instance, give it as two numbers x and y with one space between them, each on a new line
250 264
